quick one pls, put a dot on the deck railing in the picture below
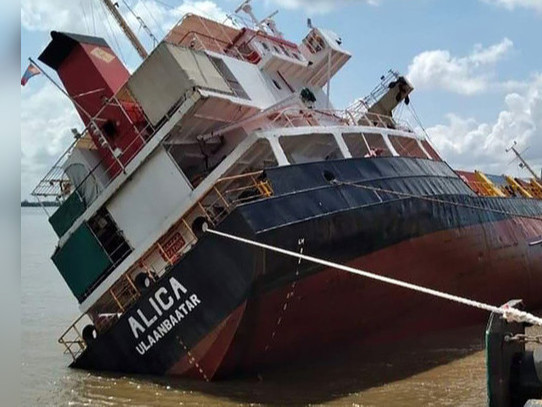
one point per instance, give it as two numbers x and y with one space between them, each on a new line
72 337
298 117
214 205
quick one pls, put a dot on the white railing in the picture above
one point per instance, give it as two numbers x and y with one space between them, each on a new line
299 117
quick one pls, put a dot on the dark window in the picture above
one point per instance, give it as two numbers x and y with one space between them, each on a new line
378 145
308 148
235 86
358 143
109 236
430 150
110 129
407 147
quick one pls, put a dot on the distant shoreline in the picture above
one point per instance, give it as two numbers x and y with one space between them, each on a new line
27 204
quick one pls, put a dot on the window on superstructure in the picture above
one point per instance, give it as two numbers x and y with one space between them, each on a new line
308 148
110 236
256 158
314 43
366 145
377 144
235 86
357 146
251 186
276 84
407 146
430 150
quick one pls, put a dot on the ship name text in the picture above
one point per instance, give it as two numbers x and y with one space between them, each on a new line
170 304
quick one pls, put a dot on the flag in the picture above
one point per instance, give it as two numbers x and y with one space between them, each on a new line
31 71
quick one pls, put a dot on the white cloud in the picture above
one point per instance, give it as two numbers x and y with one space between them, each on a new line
467 143
319 6
513 4
83 15
438 69
160 18
53 14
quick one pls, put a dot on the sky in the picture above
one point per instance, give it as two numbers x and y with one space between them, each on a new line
476 67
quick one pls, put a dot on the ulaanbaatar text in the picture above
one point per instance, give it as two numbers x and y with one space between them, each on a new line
170 304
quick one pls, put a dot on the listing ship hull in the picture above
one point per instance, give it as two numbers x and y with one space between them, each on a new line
248 308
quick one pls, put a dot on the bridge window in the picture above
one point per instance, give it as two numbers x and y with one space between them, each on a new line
258 157
245 180
430 150
308 148
407 147
366 145
110 237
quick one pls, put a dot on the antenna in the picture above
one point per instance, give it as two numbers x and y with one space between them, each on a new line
142 23
523 163
267 22
247 8
126 28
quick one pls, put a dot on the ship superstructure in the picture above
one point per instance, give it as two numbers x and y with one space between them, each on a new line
234 127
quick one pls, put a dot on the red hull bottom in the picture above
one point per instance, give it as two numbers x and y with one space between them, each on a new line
321 314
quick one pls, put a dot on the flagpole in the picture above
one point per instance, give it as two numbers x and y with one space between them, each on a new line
59 87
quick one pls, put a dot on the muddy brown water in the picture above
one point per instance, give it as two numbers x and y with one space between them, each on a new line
442 370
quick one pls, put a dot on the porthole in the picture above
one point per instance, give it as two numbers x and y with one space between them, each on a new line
329 176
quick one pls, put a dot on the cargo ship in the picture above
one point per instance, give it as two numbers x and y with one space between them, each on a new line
232 126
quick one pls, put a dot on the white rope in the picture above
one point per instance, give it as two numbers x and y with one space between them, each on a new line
508 313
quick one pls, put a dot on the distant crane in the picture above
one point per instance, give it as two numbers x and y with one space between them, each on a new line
523 163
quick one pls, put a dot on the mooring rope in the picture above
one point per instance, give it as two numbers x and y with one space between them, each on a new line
508 313
435 200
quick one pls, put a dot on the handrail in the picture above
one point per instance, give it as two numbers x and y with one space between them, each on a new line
76 338
343 117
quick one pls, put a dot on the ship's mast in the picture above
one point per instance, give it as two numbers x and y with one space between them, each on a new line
523 163
126 29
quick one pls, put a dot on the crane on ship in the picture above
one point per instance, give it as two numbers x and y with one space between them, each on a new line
522 163
132 37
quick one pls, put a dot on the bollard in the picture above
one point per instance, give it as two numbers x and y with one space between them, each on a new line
514 374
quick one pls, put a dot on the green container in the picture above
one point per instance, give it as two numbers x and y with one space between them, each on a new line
81 260
67 213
